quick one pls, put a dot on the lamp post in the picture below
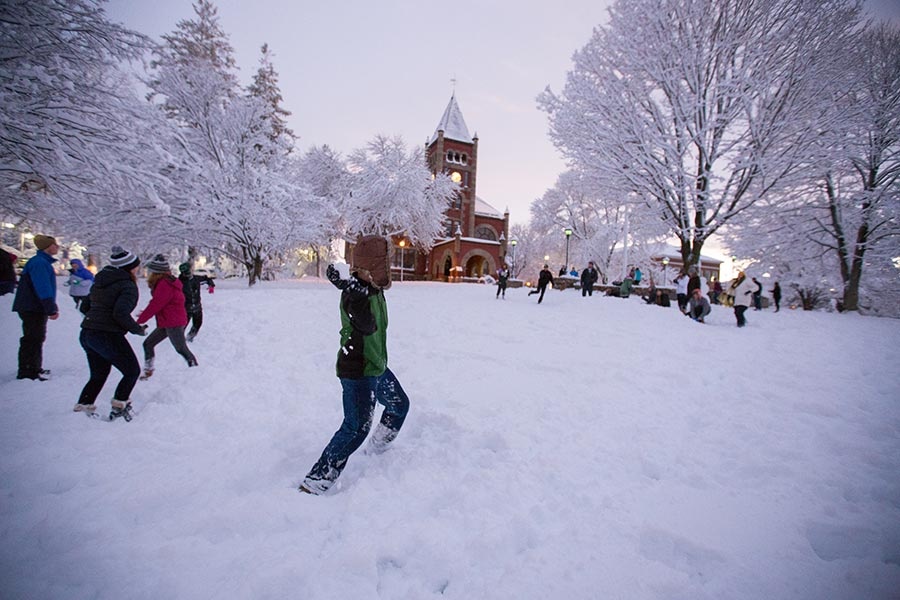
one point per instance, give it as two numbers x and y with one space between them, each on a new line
568 233
514 243
665 262
402 246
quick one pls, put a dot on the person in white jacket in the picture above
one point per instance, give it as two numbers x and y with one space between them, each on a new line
742 289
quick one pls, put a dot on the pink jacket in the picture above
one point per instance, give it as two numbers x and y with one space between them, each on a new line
167 305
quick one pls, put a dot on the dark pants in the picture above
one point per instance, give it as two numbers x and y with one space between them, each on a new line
739 315
682 301
540 290
777 303
31 344
501 288
197 320
106 349
359 398
587 290
176 336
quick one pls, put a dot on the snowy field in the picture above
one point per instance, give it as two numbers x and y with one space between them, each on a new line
582 448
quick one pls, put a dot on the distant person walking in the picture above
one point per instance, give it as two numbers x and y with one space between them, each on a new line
757 295
545 277
502 280
167 305
776 296
193 305
741 290
35 302
79 282
681 290
108 309
588 278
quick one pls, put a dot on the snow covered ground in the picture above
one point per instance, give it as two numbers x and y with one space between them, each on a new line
582 448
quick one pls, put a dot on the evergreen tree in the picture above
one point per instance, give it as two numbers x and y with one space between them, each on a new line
265 86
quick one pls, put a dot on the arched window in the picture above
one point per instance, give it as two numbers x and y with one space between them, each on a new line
485 232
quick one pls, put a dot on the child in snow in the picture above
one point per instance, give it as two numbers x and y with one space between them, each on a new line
167 305
79 282
362 364
190 287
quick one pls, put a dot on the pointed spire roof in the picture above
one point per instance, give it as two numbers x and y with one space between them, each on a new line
453 124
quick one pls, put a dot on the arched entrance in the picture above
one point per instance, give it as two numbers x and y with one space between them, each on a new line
478 263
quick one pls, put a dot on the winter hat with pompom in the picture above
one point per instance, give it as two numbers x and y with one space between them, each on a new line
159 264
123 259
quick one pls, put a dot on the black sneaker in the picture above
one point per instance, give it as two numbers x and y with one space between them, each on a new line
33 377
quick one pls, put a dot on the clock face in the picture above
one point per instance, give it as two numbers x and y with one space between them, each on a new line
455 177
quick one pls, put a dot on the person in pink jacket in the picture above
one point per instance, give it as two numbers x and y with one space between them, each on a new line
167 305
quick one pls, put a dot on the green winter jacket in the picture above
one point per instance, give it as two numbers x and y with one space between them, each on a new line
364 322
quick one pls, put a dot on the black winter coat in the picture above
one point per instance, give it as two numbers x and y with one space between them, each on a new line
544 278
114 296
190 286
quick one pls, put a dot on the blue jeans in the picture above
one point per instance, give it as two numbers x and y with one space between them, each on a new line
359 398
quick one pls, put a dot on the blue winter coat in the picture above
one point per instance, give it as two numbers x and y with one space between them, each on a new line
37 286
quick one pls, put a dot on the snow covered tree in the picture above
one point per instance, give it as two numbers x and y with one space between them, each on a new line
697 106
78 149
392 192
600 217
529 251
231 161
265 86
844 210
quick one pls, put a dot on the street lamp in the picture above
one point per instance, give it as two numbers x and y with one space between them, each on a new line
665 262
568 233
514 243
402 246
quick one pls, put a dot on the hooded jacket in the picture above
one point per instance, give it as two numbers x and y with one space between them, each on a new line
167 304
364 322
114 296
80 280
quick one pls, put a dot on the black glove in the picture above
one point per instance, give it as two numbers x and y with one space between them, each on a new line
142 330
332 274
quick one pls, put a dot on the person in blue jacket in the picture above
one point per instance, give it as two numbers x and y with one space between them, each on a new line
79 282
36 303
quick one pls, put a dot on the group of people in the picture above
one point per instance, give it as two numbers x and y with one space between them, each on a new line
689 286
362 360
107 301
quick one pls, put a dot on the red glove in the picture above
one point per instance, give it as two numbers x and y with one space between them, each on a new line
211 289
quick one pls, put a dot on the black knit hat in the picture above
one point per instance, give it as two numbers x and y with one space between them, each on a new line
159 264
123 259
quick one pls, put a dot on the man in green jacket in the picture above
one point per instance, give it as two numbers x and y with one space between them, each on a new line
362 364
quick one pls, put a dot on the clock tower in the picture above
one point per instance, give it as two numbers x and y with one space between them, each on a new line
476 236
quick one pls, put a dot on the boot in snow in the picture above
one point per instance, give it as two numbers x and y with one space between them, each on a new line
121 408
148 370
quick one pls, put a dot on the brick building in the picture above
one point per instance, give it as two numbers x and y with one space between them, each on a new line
475 242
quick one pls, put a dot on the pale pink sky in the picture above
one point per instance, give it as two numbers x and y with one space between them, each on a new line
352 69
